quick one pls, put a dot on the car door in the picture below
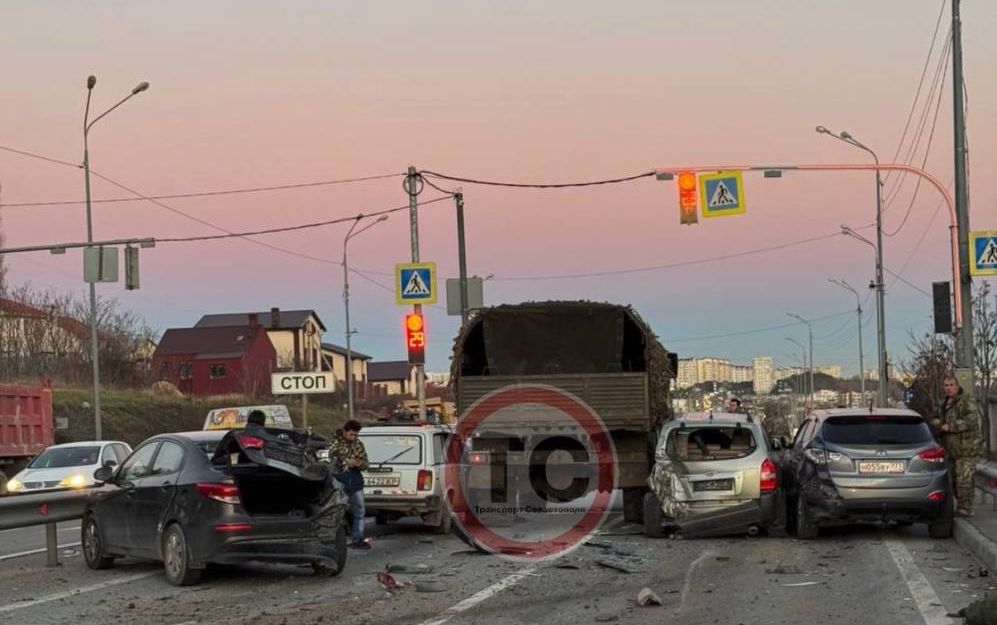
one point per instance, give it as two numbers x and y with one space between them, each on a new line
153 495
115 510
793 458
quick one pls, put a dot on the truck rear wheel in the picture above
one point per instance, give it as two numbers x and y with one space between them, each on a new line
633 504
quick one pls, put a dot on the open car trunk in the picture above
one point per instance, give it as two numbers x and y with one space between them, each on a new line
277 472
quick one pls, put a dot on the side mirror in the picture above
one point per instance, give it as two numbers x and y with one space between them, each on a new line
110 463
103 474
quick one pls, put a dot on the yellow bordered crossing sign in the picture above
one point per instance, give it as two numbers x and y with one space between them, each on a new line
983 249
722 193
415 283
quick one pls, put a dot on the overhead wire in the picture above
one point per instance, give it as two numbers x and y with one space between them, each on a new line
920 84
755 330
522 185
927 152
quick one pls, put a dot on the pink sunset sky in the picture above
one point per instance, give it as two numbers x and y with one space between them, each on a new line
250 94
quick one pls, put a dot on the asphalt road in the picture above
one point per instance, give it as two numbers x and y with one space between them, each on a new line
29 540
887 576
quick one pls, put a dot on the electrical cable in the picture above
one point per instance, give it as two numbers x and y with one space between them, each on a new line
521 185
756 330
927 152
920 84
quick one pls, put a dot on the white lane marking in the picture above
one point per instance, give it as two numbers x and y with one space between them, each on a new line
928 603
688 577
78 591
480 596
32 552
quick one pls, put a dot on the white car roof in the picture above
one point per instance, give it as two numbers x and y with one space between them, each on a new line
84 444
415 428
858 412
714 418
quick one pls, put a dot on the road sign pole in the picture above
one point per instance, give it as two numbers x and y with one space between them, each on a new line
461 257
413 185
964 356
304 411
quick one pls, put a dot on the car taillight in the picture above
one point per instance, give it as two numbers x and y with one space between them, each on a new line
250 442
225 493
478 457
769 478
935 455
425 481
938 495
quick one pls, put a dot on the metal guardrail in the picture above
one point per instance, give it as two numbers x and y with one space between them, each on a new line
985 480
48 508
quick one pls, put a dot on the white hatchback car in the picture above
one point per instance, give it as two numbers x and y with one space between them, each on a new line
70 465
405 473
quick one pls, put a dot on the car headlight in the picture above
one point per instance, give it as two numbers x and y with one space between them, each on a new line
73 481
15 486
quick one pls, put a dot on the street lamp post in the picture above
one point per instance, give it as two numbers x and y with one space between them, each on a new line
858 309
880 321
94 349
810 330
346 300
803 382
884 378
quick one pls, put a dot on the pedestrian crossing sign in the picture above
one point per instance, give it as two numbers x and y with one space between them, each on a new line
722 193
415 283
983 248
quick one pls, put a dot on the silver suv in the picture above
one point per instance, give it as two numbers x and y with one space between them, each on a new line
714 474
850 465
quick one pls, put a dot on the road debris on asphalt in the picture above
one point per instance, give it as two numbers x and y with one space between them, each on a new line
388 581
801 584
647 597
409 568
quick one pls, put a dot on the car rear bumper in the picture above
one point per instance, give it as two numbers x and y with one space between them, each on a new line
408 505
303 550
768 511
880 504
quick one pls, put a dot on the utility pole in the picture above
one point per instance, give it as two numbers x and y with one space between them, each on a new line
858 310
461 257
413 186
964 356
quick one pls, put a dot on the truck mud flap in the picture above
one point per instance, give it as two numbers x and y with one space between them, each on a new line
734 520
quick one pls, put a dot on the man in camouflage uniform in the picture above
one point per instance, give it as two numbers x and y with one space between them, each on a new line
348 450
959 429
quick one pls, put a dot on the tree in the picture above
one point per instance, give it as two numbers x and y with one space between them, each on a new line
930 361
985 348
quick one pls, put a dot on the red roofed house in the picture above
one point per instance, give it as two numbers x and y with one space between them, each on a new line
216 360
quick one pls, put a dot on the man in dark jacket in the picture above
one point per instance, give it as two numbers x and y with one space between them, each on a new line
347 449
959 429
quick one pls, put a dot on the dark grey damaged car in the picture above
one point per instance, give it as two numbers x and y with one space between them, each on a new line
198 498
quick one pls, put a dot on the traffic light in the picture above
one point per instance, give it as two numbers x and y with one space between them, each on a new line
941 295
131 268
688 202
415 338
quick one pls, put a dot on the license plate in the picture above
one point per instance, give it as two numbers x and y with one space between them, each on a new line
381 480
713 485
881 466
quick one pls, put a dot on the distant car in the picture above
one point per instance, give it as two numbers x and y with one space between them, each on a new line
196 498
405 476
70 465
714 474
849 465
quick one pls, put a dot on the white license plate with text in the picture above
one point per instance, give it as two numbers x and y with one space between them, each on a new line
881 466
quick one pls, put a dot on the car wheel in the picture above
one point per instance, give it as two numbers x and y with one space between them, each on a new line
943 525
806 529
93 545
652 516
176 558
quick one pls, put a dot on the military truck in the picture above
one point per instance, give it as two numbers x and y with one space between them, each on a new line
603 354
